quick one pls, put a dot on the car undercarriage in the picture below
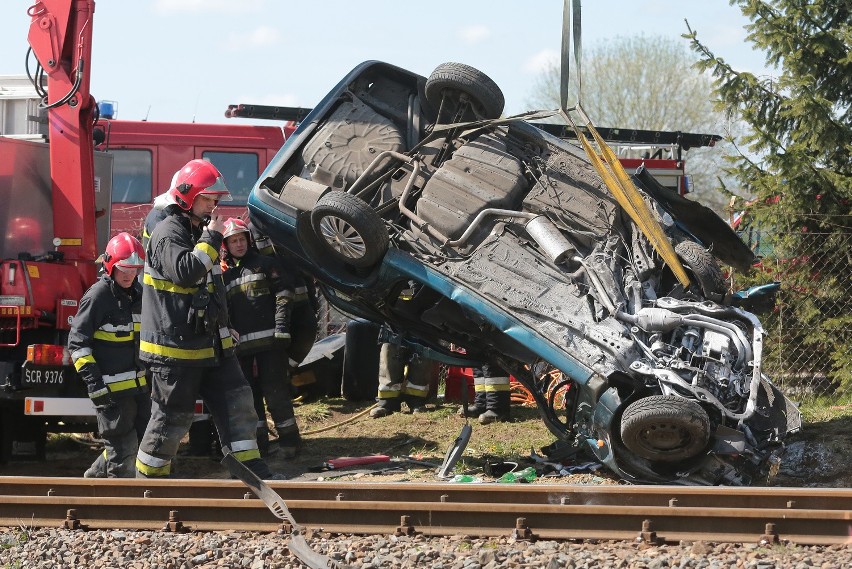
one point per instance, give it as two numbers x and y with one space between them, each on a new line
513 247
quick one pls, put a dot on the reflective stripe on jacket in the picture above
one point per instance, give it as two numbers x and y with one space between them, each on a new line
259 301
104 339
180 261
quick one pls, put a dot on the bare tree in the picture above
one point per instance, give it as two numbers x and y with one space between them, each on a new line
650 83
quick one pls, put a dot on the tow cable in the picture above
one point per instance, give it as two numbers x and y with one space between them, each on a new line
297 544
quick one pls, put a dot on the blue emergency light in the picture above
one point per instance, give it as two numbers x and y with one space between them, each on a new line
107 109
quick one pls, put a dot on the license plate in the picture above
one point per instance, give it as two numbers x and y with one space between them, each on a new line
42 375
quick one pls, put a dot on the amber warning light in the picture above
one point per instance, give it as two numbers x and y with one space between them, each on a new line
46 354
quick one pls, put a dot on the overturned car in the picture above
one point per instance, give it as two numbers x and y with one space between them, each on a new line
507 243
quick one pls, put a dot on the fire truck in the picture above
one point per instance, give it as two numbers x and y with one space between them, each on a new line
71 176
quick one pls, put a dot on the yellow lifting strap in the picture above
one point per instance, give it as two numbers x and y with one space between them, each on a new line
631 200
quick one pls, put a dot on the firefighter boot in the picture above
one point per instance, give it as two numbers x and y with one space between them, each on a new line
289 444
476 408
416 404
385 407
498 404
262 471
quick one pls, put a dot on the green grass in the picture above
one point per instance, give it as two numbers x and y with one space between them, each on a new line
333 432
316 412
824 408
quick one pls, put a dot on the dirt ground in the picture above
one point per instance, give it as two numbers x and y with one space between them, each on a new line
819 456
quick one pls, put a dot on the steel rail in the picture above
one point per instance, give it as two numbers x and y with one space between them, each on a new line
800 515
683 496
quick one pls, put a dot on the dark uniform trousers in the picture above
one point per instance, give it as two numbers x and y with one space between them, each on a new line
174 391
122 424
273 383
403 375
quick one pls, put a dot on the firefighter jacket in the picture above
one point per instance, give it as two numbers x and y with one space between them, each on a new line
104 340
184 311
155 216
260 299
302 285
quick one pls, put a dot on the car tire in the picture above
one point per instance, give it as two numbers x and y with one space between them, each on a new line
704 267
485 95
349 229
665 428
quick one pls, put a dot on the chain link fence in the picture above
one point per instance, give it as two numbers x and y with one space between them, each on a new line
329 320
807 348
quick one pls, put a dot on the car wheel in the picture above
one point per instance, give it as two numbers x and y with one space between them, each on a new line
349 229
486 96
665 428
704 267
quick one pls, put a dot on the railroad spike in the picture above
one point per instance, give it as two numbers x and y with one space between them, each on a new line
648 536
174 524
285 528
770 535
71 521
405 527
522 532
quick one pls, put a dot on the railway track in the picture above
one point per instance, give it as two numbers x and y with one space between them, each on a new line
528 511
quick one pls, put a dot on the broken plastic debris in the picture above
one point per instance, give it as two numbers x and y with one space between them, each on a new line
528 474
465 478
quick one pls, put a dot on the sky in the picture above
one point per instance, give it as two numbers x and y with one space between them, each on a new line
185 60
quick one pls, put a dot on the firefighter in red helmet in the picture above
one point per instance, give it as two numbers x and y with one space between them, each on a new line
260 297
104 346
186 340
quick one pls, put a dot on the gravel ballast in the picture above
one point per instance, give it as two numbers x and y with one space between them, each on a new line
66 549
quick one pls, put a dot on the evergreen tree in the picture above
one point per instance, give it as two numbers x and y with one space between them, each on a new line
798 162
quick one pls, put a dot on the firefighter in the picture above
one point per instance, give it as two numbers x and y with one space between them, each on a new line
492 400
202 433
303 316
103 342
259 303
159 212
185 338
155 216
404 376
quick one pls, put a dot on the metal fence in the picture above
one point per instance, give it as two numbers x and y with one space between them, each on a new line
808 342
329 319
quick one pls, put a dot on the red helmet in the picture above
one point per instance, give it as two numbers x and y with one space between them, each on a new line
198 177
125 251
235 225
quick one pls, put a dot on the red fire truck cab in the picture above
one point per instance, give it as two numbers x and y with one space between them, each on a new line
147 154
